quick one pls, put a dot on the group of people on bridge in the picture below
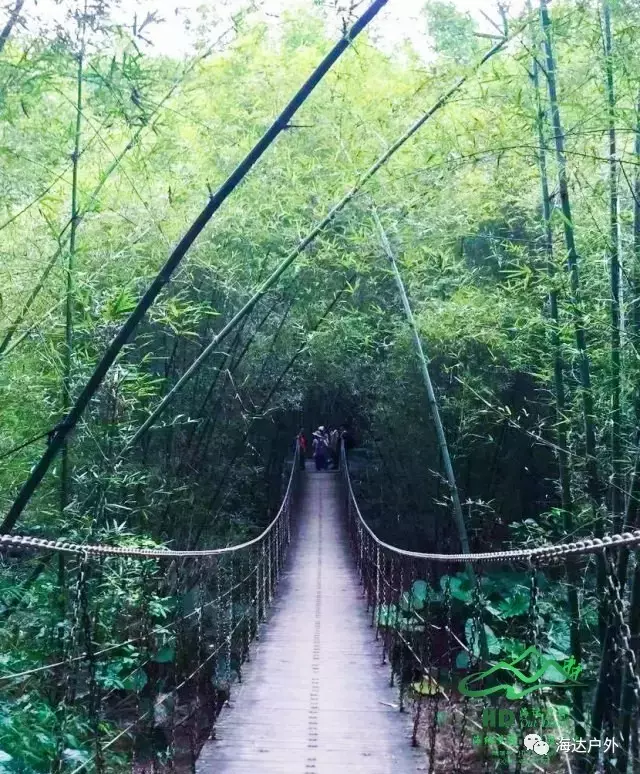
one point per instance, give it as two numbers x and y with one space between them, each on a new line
325 445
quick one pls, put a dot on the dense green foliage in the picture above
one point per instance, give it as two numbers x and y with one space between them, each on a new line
462 207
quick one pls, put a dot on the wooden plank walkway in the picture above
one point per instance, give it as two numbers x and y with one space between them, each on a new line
314 698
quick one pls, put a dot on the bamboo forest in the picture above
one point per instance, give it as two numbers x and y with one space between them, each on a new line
319 386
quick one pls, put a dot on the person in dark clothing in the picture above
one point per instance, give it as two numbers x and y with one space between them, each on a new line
334 446
320 448
346 439
301 441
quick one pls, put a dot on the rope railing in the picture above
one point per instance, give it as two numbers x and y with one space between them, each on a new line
491 663
150 697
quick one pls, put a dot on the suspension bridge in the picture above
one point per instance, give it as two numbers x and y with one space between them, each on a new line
314 700
318 647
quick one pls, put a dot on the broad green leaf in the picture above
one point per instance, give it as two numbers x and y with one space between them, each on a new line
165 655
136 681
459 585
387 615
74 756
419 592
557 654
518 604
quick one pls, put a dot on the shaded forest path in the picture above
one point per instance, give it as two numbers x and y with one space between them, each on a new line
315 698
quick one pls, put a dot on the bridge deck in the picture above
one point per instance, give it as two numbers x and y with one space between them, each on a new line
314 699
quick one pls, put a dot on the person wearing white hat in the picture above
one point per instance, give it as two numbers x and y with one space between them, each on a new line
320 448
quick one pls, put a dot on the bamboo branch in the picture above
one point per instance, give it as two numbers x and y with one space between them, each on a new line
92 199
625 696
265 404
614 266
69 311
593 480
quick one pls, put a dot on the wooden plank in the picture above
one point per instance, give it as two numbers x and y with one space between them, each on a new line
314 699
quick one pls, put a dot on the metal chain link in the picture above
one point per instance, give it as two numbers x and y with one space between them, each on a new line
375 616
93 685
70 646
534 635
385 611
180 638
403 647
476 640
623 630
433 676
200 650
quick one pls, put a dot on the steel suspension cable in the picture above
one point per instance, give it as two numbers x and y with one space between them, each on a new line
540 554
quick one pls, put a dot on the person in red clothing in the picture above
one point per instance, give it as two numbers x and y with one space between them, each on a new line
302 446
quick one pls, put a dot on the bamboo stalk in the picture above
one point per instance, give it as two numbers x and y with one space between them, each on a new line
593 480
617 671
617 504
561 424
11 22
443 446
71 256
625 695
234 362
634 315
265 404
92 199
